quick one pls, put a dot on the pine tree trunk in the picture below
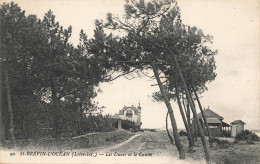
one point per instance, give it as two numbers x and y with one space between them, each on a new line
81 118
2 129
10 110
207 156
170 137
187 111
193 125
168 105
195 129
203 116
56 114
23 128
184 106
184 118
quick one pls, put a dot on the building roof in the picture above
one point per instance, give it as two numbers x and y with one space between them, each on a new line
237 121
225 124
213 121
210 114
116 116
121 112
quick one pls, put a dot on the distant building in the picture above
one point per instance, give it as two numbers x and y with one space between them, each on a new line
130 113
237 127
218 127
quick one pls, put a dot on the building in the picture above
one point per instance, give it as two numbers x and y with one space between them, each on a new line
218 127
130 113
237 127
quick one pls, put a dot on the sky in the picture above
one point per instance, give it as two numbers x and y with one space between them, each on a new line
234 25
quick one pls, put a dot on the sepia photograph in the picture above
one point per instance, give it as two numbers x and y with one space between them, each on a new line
130 81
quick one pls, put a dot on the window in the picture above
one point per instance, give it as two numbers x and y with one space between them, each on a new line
129 113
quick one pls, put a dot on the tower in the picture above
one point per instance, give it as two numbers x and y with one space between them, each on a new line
139 114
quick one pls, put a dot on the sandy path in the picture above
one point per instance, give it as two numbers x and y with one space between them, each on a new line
119 145
145 147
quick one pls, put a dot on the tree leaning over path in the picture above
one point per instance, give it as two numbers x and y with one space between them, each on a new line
203 116
157 30
191 143
170 111
152 37
136 34
173 30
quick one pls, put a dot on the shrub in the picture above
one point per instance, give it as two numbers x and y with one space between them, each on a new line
182 133
235 141
223 144
215 140
153 130
127 124
150 130
247 136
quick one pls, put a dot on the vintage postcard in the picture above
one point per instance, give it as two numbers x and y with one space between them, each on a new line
129 81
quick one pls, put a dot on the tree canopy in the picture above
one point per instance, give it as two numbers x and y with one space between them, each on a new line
52 82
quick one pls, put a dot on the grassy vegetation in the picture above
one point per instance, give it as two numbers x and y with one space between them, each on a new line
101 139
223 151
247 136
157 143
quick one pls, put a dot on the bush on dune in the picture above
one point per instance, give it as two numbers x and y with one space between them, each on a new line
183 133
127 124
247 136
223 144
